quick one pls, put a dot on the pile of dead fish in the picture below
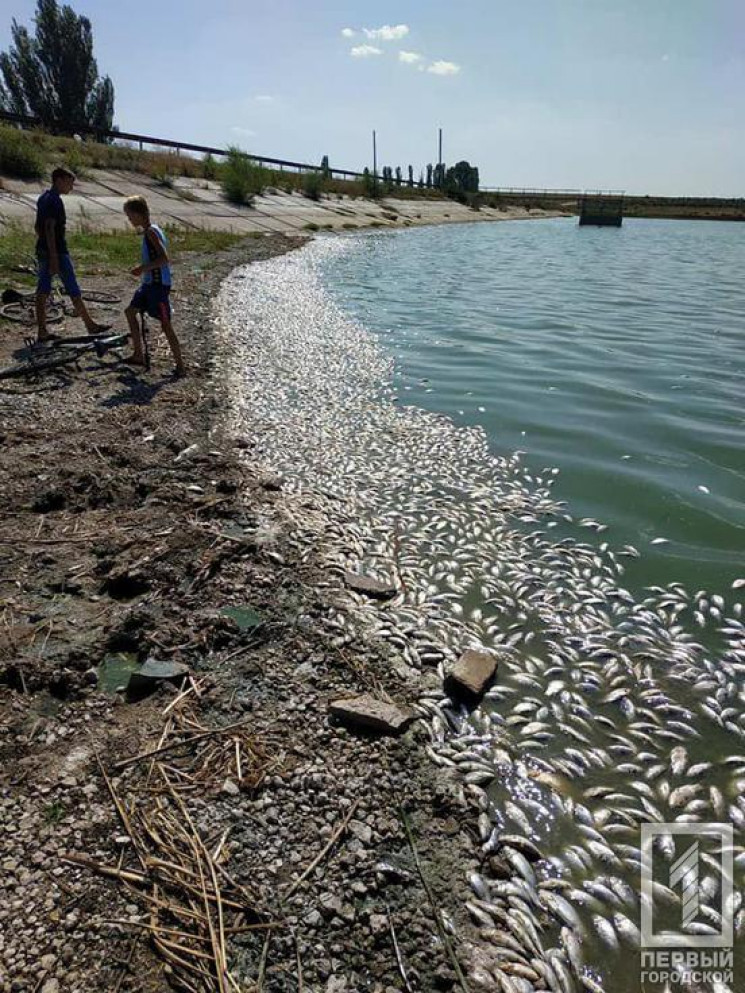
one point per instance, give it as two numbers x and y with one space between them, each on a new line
610 711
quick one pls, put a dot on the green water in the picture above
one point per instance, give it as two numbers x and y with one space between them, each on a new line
616 355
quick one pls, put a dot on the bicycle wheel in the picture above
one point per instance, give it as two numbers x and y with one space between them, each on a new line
99 296
22 313
36 368
97 342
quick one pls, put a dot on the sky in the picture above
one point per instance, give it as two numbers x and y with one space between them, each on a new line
647 96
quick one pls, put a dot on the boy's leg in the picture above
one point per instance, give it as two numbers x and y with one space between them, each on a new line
81 311
175 345
70 282
138 350
41 315
164 315
43 289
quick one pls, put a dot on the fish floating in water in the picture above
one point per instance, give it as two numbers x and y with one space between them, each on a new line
611 709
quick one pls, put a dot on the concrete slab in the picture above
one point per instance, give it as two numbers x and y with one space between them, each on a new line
98 198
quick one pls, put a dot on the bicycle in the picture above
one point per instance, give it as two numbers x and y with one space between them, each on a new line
63 352
19 306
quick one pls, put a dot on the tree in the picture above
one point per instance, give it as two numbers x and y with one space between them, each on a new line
325 170
411 176
438 176
399 176
54 76
462 178
429 175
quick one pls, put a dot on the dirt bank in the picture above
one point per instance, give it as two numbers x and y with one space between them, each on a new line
129 524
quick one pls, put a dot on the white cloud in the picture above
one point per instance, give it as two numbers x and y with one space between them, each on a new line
246 132
442 68
388 32
264 98
348 33
364 51
665 58
411 58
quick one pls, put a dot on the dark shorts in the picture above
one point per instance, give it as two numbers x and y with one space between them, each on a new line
153 300
66 274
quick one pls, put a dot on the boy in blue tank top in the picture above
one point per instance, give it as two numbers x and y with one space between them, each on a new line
152 297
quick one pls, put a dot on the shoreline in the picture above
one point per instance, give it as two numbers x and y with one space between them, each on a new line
540 757
136 542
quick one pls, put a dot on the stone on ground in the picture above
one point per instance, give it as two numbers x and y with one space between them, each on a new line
472 675
366 711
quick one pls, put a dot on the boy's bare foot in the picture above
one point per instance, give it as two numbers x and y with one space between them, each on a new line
179 372
45 339
134 360
98 328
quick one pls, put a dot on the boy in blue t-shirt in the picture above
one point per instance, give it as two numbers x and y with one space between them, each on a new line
53 257
152 297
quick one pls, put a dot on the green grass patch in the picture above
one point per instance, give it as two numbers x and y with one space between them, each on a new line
241 178
19 156
163 179
54 812
106 252
313 185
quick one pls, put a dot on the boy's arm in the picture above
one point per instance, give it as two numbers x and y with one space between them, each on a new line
49 225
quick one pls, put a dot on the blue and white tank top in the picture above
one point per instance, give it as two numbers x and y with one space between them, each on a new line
162 275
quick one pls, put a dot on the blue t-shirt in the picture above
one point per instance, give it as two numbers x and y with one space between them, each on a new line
49 206
162 275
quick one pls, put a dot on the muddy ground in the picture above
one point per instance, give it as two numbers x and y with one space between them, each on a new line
128 524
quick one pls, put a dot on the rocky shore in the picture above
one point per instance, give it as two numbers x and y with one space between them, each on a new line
134 528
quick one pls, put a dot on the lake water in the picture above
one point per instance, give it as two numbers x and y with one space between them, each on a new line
392 377
617 355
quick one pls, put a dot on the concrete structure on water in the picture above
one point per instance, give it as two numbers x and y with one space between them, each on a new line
602 209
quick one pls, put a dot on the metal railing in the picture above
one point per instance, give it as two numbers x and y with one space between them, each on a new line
535 191
178 146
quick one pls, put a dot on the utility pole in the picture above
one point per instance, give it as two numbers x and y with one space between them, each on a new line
375 160
439 157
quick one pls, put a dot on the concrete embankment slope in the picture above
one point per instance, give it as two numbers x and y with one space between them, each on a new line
96 205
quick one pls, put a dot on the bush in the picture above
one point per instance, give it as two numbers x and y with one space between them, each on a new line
162 178
370 186
71 155
242 179
313 185
19 156
209 166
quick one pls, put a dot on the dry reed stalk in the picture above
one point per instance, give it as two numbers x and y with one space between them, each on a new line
182 695
444 937
123 816
125 967
180 744
106 870
319 858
